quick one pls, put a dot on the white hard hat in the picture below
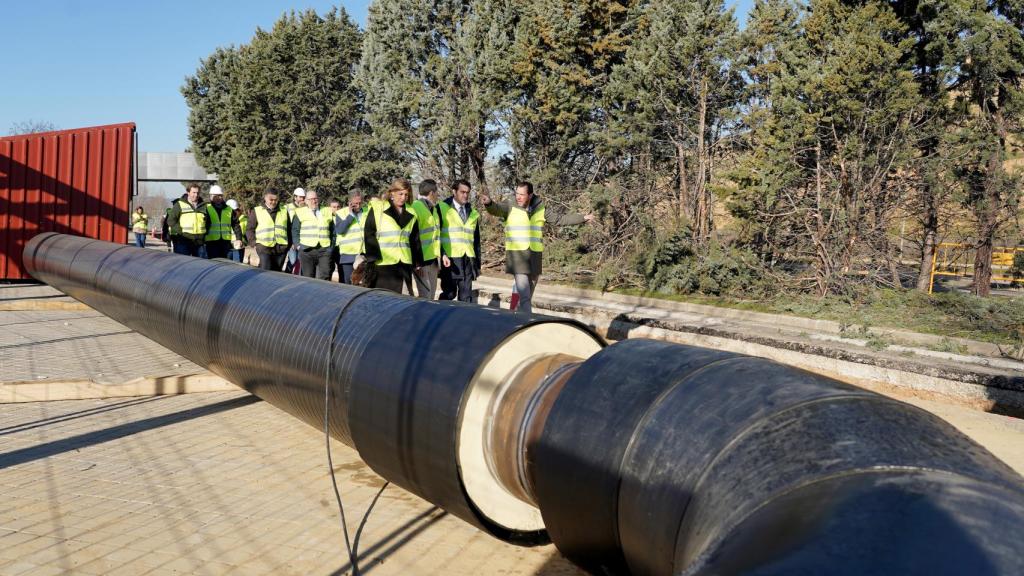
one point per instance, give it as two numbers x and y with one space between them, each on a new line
299 192
216 191
233 203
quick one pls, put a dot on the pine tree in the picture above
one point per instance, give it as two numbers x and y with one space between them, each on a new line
990 96
424 71
678 84
282 110
831 120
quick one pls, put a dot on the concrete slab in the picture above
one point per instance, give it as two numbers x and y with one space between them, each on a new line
53 353
215 483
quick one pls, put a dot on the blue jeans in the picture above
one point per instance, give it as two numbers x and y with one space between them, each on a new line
186 247
235 255
525 286
140 239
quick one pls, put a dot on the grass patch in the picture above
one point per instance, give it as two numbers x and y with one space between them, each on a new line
950 314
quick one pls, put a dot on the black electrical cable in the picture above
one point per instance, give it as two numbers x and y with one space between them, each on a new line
350 547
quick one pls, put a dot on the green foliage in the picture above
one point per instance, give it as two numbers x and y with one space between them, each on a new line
823 125
832 99
675 267
1017 270
283 110
674 97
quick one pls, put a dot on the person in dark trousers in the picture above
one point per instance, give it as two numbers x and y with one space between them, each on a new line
524 239
348 227
268 232
188 223
313 237
165 231
223 227
428 220
392 241
460 244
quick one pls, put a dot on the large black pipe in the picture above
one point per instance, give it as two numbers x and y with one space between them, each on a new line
643 457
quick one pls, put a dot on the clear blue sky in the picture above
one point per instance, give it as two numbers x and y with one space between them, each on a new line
83 63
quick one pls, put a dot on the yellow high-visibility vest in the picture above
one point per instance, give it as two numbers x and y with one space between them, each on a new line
524 231
220 224
456 235
315 230
393 240
271 232
429 233
243 223
351 242
140 223
190 221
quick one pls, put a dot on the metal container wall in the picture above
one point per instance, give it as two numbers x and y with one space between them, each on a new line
71 181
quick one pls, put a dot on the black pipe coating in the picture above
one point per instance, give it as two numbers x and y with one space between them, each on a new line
655 458
399 370
665 459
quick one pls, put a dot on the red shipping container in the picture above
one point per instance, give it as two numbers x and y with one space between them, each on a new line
71 181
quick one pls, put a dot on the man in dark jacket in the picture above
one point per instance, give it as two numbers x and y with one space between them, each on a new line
524 243
460 244
268 232
223 225
312 233
188 223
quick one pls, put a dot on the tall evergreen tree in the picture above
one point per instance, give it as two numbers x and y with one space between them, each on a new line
990 94
560 64
283 109
424 71
835 121
678 83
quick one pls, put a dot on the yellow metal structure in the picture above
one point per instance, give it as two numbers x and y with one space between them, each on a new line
956 259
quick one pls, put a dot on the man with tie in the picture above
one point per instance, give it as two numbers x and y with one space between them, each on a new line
460 244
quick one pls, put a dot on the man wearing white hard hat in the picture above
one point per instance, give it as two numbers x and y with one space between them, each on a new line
298 201
223 227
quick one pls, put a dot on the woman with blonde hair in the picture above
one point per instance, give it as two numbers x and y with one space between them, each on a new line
392 239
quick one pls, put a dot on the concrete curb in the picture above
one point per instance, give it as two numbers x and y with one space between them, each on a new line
503 286
14 392
975 382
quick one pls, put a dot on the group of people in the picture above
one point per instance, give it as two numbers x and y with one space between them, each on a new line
390 242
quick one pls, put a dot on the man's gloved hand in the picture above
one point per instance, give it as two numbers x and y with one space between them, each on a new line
236 244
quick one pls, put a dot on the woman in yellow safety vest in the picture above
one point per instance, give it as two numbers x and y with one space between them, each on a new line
140 226
391 239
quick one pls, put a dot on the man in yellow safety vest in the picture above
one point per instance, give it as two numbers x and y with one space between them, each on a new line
140 226
268 233
429 222
524 239
224 226
313 237
348 227
460 244
188 223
